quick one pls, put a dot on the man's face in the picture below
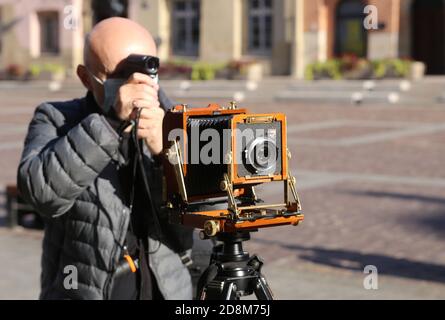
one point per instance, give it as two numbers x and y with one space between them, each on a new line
105 75
104 85
106 47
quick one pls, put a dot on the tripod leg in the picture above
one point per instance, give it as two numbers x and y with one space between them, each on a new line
204 280
262 289
229 291
219 290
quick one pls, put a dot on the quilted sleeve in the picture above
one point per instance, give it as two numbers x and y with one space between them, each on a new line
54 170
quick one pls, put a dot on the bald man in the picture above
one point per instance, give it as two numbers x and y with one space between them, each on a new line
77 171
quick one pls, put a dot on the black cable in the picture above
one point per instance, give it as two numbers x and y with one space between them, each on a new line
140 161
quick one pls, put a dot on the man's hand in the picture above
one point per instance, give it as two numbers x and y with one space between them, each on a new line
150 127
141 92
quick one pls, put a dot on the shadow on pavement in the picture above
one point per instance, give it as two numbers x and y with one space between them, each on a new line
2 208
400 196
432 220
356 261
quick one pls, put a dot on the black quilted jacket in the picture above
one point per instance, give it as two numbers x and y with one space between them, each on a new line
69 173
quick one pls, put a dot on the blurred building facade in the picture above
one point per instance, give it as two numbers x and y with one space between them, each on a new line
412 29
42 31
285 35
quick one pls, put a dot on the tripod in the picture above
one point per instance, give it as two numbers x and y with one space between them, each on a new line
232 273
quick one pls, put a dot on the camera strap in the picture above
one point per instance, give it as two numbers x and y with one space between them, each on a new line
138 162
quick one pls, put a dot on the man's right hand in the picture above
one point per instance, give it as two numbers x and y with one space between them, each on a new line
140 91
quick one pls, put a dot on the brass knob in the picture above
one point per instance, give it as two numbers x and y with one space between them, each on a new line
211 228
224 185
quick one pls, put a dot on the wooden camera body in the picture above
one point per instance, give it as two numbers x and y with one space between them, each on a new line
252 150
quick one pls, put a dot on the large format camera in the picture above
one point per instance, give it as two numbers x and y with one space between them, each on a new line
218 155
214 159
223 153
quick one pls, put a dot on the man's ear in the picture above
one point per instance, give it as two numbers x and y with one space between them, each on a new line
82 73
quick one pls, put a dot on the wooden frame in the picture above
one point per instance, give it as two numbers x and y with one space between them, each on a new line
234 217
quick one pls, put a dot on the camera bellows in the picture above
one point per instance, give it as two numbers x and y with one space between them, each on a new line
209 143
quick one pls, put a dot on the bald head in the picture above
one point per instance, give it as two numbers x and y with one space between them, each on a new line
109 43
113 40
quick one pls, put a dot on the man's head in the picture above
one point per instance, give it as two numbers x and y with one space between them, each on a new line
109 43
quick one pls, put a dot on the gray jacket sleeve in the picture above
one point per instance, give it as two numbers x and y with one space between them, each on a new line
55 169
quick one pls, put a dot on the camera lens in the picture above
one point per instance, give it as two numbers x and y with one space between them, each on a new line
261 156
152 64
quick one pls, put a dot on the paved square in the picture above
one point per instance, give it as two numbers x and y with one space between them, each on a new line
371 180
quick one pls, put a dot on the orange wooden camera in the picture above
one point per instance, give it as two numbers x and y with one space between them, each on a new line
223 153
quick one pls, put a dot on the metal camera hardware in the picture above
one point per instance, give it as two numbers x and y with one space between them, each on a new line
252 151
143 64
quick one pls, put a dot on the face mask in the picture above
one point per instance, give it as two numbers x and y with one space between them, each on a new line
111 87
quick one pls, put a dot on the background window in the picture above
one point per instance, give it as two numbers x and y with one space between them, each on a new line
351 36
428 32
49 32
185 22
260 26
106 9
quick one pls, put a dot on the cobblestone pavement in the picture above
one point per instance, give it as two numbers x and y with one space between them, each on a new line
372 184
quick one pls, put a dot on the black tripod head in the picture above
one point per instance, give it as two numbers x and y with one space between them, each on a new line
232 272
